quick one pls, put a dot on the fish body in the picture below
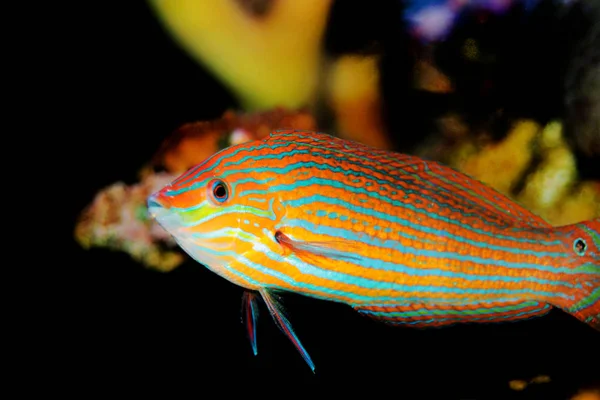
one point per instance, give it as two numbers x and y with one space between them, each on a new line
400 239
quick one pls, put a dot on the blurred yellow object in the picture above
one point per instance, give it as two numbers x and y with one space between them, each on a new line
555 174
500 164
553 190
580 205
547 184
519 384
269 53
540 379
353 94
267 60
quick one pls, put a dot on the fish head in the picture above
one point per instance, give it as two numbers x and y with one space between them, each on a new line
221 212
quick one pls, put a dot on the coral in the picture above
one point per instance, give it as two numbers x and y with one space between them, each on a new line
116 219
534 165
227 37
193 142
512 156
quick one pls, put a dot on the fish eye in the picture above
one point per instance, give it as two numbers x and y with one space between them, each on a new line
579 246
219 191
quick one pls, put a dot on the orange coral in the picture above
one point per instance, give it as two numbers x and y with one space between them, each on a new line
194 142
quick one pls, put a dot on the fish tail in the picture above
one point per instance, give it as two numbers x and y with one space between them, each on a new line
584 240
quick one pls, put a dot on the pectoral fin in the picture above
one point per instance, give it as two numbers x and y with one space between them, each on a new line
281 321
249 316
333 249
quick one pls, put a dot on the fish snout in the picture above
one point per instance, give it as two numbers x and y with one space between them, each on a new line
157 203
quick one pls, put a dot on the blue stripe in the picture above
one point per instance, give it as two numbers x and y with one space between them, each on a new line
199 184
333 169
408 186
232 153
413 160
327 183
357 210
476 312
350 235
308 269
325 292
411 321
295 152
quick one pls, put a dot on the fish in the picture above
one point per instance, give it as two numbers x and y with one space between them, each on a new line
403 240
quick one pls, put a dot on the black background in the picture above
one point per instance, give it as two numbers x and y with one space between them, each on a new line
108 325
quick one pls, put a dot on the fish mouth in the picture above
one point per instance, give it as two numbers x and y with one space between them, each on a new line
159 210
153 205
156 205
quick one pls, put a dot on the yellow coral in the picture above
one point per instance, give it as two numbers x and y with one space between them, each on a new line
554 176
268 61
550 188
553 190
580 204
500 164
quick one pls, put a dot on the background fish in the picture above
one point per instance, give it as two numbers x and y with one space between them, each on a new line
400 239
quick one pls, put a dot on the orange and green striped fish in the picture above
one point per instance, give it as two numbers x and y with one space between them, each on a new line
398 238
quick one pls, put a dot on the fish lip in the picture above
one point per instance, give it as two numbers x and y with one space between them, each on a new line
156 205
159 209
152 203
